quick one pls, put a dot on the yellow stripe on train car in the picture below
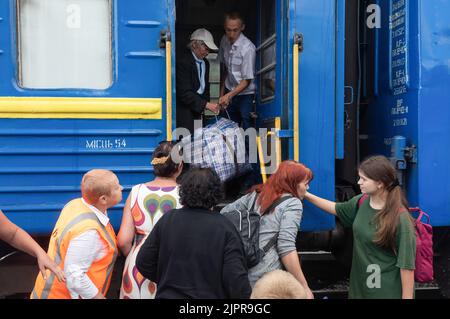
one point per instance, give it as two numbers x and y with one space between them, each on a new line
85 108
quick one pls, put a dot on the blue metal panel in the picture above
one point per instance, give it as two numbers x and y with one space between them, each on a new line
316 20
434 111
340 78
376 58
42 160
416 106
41 169
395 111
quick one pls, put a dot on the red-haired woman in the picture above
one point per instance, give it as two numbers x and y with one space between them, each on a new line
281 224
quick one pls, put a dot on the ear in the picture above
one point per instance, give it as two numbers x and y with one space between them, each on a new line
243 27
103 199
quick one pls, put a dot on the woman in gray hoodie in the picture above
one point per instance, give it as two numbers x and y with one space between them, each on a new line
291 179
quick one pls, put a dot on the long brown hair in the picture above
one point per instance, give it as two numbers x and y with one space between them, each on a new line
380 169
285 180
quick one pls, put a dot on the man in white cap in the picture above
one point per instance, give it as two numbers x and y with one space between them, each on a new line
192 77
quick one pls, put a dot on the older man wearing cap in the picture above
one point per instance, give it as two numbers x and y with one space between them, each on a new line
193 80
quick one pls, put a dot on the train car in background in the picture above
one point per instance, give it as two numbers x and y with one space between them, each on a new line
90 84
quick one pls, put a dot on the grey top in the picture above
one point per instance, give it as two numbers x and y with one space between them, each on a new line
284 220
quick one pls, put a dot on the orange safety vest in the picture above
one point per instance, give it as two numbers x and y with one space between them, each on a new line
75 219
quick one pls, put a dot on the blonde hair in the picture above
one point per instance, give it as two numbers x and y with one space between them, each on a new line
278 284
96 183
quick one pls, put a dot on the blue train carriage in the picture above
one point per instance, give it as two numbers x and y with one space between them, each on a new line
396 93
408 116
88 84
83 85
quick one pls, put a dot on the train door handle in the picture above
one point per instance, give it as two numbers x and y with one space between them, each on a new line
166 43
298 47
164 37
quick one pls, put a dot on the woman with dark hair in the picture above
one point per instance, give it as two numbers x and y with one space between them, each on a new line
195 252
145 205
282 223
384 244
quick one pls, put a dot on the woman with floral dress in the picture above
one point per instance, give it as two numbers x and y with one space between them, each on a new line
145 205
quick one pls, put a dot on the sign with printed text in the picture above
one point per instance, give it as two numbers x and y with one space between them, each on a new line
398 60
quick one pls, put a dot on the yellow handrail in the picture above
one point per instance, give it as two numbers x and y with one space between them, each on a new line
261 159
296 111
277 140
277 149
169 89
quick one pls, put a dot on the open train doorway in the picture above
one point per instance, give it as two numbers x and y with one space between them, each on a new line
209 14
265 28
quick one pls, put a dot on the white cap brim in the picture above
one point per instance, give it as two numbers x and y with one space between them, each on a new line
211 45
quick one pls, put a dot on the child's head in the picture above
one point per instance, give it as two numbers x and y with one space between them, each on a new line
278 284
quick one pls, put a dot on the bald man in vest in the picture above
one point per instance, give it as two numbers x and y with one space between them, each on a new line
83 242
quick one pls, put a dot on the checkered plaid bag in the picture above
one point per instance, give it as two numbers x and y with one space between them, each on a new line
219 146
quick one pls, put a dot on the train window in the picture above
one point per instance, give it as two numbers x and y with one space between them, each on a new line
267 78
64 44
267 51
267 19
214 77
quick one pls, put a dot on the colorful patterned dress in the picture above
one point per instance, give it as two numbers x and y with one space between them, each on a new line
148 204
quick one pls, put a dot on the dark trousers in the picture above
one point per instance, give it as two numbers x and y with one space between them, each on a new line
239 111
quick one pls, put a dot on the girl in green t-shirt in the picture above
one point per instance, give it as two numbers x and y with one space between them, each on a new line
384 245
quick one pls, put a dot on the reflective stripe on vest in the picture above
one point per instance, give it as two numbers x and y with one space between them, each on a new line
111 266
34 294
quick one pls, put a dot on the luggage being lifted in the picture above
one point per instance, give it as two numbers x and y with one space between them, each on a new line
219 146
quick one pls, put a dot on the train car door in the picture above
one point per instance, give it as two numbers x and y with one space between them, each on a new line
270 95
83 85
300 89
316 94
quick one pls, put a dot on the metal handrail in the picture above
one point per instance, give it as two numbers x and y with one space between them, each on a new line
277 140
277 149
295 102
8 255
261 160
169 89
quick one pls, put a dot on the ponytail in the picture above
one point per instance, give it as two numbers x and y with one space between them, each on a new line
388 218
380 169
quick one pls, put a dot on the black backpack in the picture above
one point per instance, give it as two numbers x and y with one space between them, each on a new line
247 223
